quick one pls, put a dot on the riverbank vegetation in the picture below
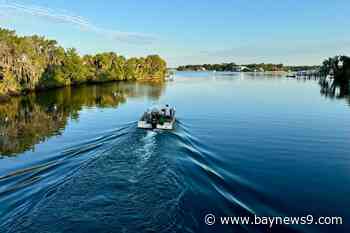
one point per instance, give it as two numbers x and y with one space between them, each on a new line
231 67
336 76
31 62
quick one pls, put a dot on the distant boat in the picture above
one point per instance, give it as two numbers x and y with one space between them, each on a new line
170 78
291 75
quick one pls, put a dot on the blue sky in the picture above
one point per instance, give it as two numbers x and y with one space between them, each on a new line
190 32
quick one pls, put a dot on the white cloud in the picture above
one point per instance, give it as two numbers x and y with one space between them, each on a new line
84 24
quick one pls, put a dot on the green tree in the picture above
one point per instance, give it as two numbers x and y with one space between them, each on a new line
33 62
339 68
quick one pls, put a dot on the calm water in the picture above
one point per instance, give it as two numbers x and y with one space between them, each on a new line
73 161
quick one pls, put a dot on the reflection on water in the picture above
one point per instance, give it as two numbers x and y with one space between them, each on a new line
28 120
243 145
331 89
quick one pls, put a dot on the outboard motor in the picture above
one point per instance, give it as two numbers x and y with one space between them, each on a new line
154 122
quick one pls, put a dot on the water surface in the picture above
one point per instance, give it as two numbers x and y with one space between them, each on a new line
72 159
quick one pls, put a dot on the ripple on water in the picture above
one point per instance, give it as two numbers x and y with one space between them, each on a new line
21 190
128 179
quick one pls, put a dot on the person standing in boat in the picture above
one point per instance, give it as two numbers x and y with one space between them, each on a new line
167 111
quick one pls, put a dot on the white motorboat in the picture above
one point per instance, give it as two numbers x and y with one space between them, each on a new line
158 118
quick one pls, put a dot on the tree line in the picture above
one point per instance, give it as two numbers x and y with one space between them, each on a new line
34 62
231 67
336 75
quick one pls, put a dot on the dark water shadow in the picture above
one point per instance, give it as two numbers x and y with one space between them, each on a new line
28 120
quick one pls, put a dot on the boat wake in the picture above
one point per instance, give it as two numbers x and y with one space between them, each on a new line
124 174
21 190
128 180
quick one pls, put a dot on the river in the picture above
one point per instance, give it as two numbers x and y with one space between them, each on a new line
72 159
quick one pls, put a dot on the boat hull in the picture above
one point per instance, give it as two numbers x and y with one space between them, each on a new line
167 125
144 125
164 126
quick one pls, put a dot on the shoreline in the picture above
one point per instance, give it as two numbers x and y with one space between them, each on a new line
34 63
6 97
238 72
